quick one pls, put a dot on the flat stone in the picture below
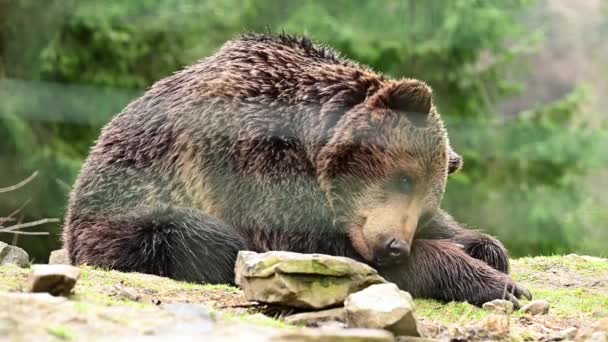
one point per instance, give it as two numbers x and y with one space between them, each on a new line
58 280
59 257
309 281
382 306
13 255
337 335
499 306
537 307
315 318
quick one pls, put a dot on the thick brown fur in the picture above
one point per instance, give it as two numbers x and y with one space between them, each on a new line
275 143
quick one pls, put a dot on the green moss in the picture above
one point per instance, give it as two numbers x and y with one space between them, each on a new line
60 332
446 313
578 302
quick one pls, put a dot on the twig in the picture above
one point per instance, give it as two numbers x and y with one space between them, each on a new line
20 184
28 224
15 229
18 232
10 218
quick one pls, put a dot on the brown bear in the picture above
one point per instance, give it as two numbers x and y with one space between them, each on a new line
275 143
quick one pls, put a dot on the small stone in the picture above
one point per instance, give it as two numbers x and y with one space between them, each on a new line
335 335
126 293
597 332
599 336
497 325
537 307
566 334
58 280
499 306
13 255
308 281
59 257
315 318
601 325
382 306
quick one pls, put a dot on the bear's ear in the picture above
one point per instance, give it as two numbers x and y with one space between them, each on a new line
408 97
454 162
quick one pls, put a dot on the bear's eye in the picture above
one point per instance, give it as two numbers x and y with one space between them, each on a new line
404 184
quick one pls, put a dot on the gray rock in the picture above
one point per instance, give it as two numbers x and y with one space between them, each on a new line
13 255
598 336
193 319
499 306
315 318
59 257
382 306
601 325
567 334
335 335
597 332
125 293
58 280
309 281
537 307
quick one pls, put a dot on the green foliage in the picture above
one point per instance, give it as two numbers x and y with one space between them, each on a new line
73 64
524 177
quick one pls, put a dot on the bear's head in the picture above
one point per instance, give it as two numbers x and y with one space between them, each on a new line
385 168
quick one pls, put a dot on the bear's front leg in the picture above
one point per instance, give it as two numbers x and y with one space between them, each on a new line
441 270
478 245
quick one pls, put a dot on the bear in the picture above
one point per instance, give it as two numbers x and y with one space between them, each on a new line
278 143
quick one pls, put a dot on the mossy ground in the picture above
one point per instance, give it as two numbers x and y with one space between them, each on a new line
575 286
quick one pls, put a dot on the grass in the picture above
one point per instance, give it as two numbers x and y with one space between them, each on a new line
60 332
584 295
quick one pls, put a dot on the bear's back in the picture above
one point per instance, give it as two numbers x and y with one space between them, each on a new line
236 131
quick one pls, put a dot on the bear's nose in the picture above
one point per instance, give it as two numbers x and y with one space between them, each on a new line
397 248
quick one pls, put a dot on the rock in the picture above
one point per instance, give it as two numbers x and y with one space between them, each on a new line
337 335
58 280
192 319
601 325
598 332
497 325
537 307
309 281
566 334
598 336
125 293
382 306
13 255
499 306
314 318
59 257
